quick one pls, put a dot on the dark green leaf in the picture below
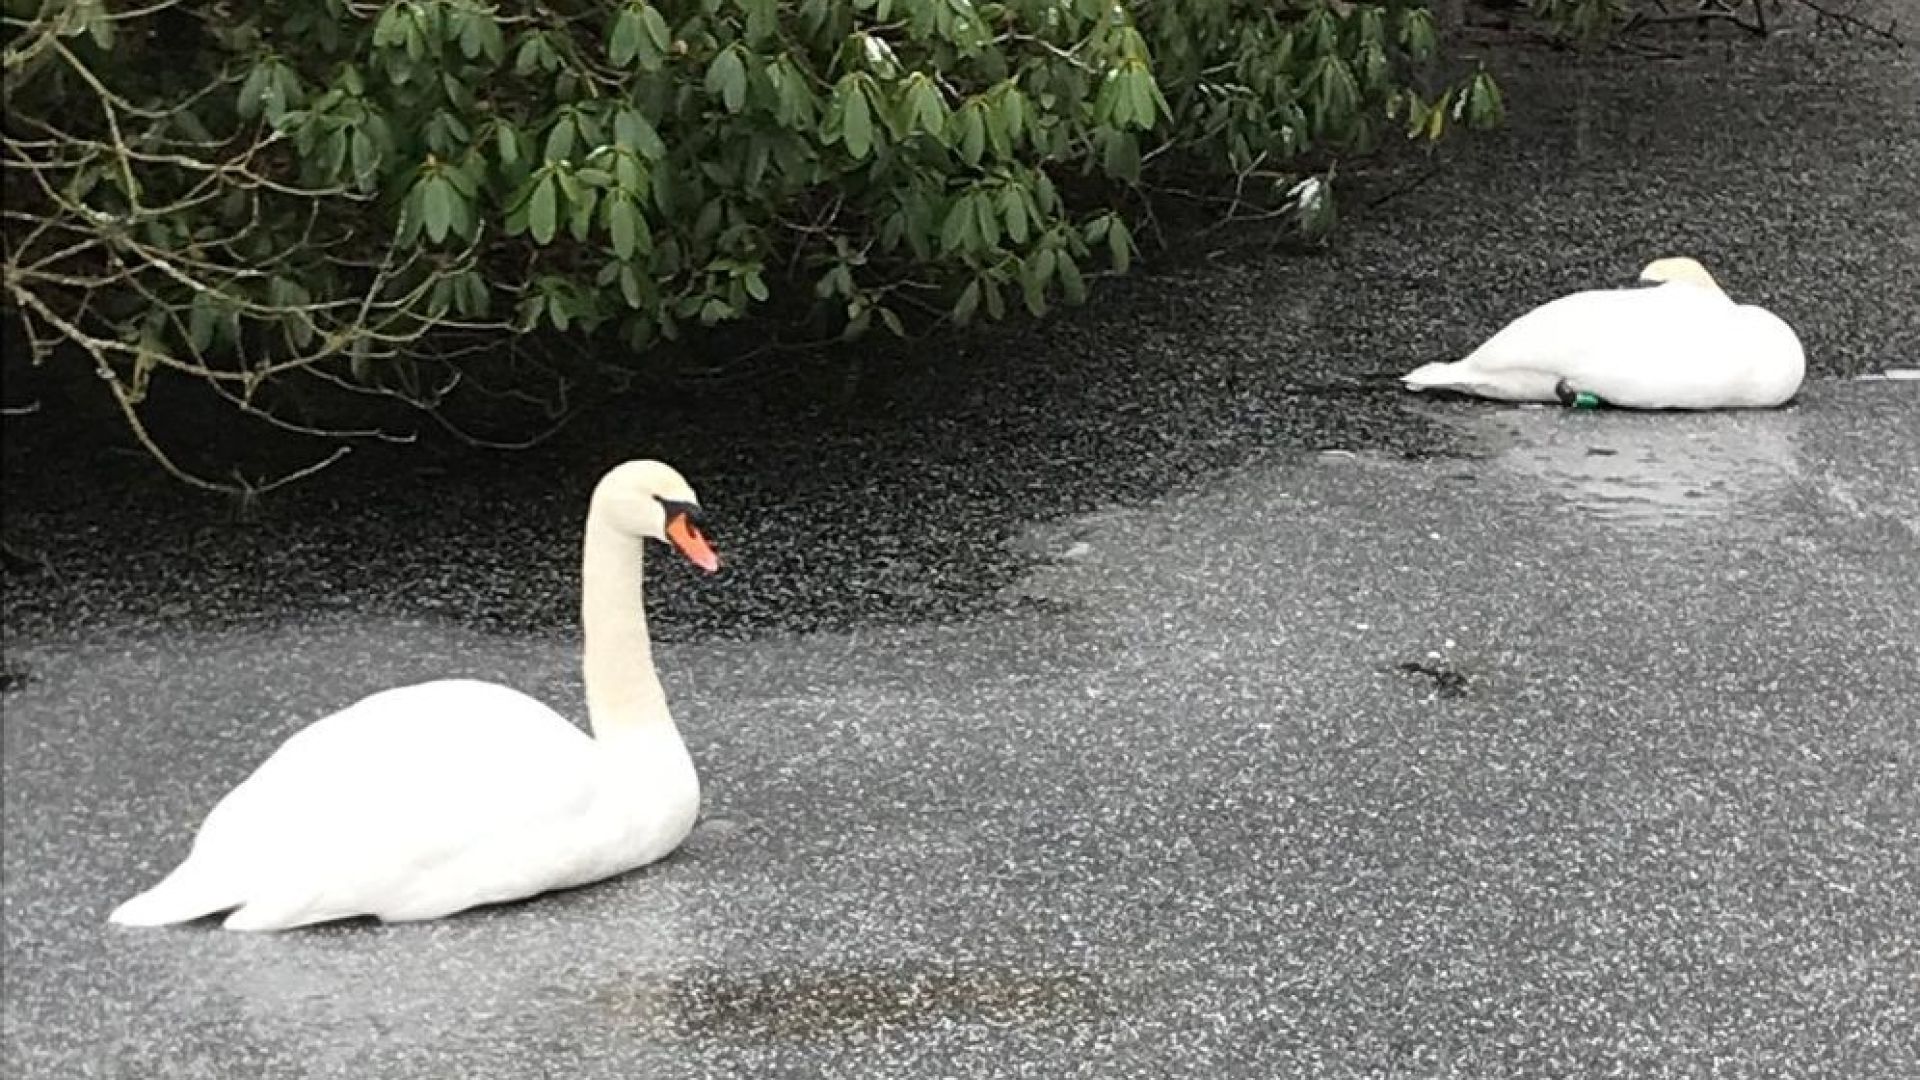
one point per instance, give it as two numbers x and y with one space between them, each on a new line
656 28
795 103
543 211
482 38
1139 91
857 122
474 297
1416 33
996 303
99 27
201 320
461 179
628 173
1013 206
365 159
957 232
988 221
527 58
560 140
253 90
1119 245
390 29
621 219
1485 109
531 308
759 155
727 78
1112 107
996 124
440 298
928 108
436 201
1013 112
624 43
708 222
631 129
1032 290
1122 158
973 132
581 202
964 307
1070 280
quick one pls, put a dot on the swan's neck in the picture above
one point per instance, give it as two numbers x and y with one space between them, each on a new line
623 690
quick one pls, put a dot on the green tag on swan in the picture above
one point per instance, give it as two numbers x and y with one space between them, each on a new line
1575 399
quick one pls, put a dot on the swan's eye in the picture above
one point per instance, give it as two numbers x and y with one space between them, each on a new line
675 508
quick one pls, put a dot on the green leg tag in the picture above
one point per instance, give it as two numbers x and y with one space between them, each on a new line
1575 399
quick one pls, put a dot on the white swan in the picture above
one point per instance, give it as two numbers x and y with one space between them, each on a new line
426 800
1680 344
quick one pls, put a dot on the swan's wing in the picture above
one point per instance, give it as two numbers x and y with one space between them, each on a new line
1698 356
1546 336
398 783
1626 333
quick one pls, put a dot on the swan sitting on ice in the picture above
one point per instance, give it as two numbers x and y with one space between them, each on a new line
426 800
1676 342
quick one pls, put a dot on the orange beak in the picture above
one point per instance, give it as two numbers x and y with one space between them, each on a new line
689 541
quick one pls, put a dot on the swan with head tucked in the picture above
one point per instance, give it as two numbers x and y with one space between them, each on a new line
1676 342
430 799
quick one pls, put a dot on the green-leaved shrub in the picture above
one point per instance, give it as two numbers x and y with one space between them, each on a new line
355 192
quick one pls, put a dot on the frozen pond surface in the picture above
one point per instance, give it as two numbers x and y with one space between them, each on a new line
1156 694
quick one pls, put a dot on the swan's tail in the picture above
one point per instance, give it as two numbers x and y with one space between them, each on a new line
1436 376
185 895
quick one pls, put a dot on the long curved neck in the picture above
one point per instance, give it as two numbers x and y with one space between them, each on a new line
623 689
